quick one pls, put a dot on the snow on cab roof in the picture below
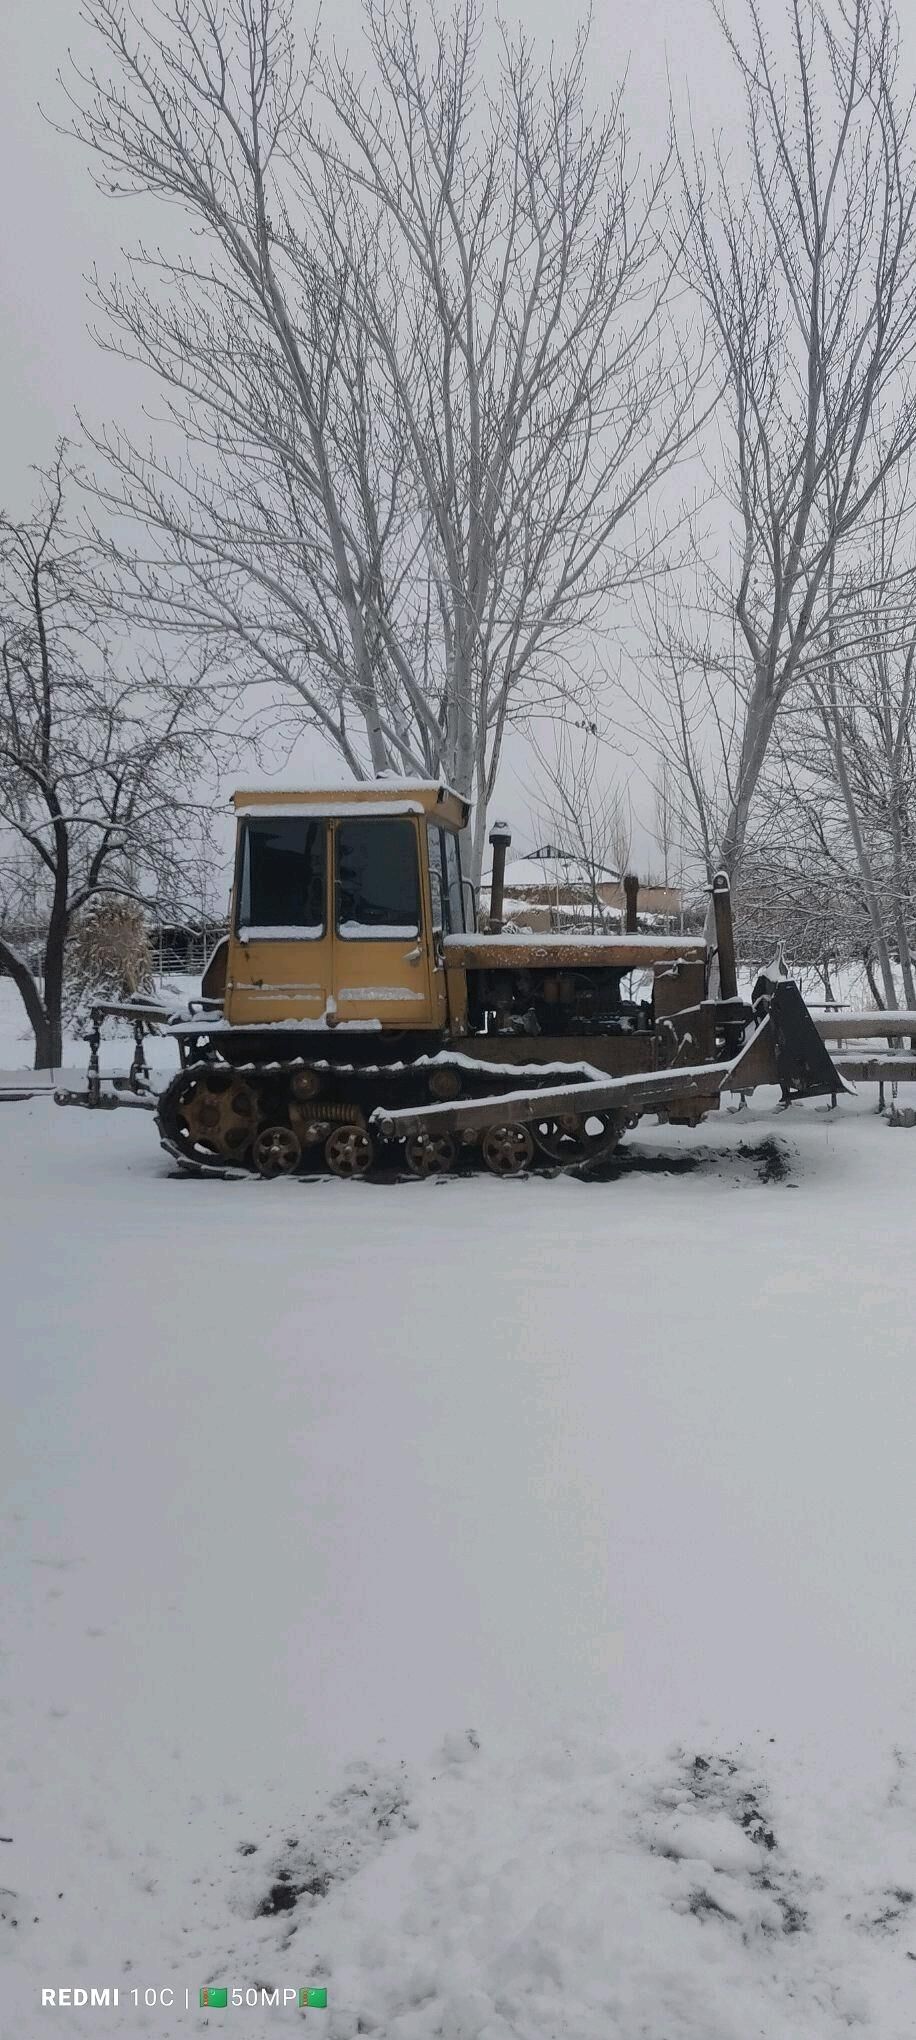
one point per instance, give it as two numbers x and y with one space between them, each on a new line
387 795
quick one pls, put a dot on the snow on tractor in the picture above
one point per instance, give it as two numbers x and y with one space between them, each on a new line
353 1015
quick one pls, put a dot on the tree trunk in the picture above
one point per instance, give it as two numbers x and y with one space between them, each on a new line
901 892
872 984
48 1045
51 1047
758 729
27 986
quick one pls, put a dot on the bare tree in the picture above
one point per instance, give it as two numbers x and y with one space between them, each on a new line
419 356
667 805
800 900
864 694
855 757
807 272
829 856
587 812
683 705
95 761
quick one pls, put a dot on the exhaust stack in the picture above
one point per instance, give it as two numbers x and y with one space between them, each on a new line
725 936
500 838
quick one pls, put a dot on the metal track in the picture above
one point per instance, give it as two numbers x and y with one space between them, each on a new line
363 1084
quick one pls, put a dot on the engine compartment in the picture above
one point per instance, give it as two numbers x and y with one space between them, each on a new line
555 1001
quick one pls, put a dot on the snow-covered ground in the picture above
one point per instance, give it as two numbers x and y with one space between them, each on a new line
517 1576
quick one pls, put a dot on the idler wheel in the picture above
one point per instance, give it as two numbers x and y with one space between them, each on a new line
430 1154
276 1151
348 1151
507 1150
575 1140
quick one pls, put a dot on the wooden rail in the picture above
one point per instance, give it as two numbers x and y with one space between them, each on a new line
877 1069
864 1026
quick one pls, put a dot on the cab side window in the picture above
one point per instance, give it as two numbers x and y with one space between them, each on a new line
453 884
282 883
437 889
445 881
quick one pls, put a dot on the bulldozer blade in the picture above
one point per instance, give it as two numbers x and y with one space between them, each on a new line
804 1066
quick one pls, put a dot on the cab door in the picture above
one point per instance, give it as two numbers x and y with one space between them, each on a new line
280 961
381 949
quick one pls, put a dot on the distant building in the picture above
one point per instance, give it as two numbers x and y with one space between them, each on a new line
547 889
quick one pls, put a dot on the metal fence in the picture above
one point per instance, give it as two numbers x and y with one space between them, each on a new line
177 950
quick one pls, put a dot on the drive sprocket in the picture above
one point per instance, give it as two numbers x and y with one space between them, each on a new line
209 1112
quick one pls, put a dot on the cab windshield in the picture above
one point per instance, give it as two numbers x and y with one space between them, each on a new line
378 881
282 885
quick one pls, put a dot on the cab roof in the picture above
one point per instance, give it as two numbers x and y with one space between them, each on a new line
362 798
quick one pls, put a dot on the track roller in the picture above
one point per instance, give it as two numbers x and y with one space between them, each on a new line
349 1151
507 1150
430 1154
276 1151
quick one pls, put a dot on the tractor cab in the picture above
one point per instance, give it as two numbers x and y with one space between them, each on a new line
340 904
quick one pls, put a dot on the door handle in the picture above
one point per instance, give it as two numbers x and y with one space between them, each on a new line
414 955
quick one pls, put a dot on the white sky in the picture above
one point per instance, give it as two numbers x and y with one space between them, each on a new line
54 225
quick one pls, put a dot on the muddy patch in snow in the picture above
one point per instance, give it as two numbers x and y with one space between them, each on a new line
713 1824
338 1840
770 1158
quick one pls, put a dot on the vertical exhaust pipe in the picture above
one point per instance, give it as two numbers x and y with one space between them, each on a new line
631 895
500 838
725 936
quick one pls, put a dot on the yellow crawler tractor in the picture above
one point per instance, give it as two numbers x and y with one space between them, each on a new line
354 1015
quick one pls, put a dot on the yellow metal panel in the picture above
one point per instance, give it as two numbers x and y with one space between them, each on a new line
568 952
278 980
456 985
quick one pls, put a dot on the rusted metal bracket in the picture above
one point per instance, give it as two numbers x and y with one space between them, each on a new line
621 1094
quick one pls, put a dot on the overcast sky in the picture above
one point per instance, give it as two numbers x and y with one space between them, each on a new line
55 226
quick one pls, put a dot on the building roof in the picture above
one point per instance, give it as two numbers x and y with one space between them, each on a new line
534 873
554 860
